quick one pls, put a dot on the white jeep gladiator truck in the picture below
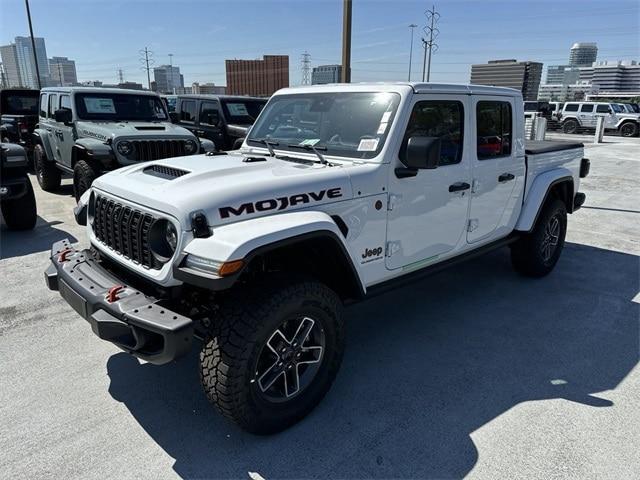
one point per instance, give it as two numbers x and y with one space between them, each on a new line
338 193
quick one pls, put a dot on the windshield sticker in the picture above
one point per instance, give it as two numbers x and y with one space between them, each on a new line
237 109
385 117
99 105
309 141
368 145
382 128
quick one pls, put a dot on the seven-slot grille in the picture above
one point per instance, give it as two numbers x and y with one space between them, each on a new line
144 150
125 230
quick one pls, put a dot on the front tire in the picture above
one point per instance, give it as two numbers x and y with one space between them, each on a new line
84 173
47 173
570 126
21 213
270 360
629 129
536 253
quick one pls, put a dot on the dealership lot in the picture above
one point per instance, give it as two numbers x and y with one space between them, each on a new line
474 371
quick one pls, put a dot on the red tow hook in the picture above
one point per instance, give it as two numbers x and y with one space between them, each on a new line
112 294
62 257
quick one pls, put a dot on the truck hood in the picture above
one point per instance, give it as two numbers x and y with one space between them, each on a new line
112 130
226 188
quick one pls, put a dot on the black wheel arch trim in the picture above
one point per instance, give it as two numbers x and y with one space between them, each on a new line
569 203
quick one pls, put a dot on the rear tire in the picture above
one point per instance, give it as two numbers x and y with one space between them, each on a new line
21 213
252 345
84 173
535 254
47 174
570 126
629 129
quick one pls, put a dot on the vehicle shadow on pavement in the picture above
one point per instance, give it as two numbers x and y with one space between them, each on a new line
425 367
19 243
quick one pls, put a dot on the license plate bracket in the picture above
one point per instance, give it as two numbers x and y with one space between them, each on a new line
74 299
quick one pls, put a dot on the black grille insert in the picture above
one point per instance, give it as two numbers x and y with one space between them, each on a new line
144 150
163 171
125 230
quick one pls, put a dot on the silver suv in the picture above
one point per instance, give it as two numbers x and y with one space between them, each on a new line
578 116
88 131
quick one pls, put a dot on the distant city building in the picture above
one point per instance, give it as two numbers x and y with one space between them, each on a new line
131 85
564 93
562 75
168 78
27 63
612 76
208 89
91 83
10 65
583 54
523 76
257 77
323 74
63 71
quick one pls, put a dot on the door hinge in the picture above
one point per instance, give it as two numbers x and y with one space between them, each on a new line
472 224
393 200
474 185
391 248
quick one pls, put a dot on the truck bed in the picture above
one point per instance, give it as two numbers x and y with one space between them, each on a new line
534 147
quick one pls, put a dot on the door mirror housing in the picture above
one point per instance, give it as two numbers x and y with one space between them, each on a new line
423 152
173 116
63 115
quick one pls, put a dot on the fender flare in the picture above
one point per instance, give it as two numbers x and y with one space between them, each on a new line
250 238
538 194
42 137
94 149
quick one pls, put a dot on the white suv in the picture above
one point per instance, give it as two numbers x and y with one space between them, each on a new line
584 115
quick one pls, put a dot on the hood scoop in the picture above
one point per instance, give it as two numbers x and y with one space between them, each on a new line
162 171
143 129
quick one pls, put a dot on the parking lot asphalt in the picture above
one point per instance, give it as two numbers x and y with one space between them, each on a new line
475 371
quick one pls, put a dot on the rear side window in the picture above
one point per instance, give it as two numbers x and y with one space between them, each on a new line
571 107
586 108
53 104
443 119
602 109
43 105
188 111
65 102
494 129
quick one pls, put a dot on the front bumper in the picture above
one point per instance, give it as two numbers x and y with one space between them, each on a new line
126 317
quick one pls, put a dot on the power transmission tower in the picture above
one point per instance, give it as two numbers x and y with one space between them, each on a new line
146 58
429 45
120 76
306 68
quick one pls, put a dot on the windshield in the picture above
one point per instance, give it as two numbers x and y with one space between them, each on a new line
242 111
617 108
348 124
20 104
119 106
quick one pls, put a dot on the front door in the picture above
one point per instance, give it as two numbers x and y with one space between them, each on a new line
210 123
428 211
65 134
498 166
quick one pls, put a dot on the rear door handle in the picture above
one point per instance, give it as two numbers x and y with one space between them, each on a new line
506 177
459 186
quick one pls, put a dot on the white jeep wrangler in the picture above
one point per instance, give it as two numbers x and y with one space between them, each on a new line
338 193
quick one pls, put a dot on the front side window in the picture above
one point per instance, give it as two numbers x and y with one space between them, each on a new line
494 129
53 105
617 108
602 109
443 119
347 124
209 113
587 108
571 107
119 106
188 111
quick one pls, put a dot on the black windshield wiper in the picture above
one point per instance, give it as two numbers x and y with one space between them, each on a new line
312 148
267 143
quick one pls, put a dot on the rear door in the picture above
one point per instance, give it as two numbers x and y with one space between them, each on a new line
587 115
498 166
428 211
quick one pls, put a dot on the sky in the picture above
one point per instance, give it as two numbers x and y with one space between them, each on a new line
103 36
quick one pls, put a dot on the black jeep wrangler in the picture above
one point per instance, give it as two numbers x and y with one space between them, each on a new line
17 200
19 116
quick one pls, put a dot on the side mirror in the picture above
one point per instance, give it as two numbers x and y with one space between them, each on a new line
423 152
610 110
63 115
173 116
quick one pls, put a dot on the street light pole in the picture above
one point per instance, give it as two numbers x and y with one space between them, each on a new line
33 44
346 42
412 26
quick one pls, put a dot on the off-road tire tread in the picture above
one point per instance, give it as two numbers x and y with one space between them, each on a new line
51 176
87 169
227 350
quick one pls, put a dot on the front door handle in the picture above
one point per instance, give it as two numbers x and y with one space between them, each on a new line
506 177
459 186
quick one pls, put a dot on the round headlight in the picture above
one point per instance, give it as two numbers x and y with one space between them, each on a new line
125 148
171 236
190 146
